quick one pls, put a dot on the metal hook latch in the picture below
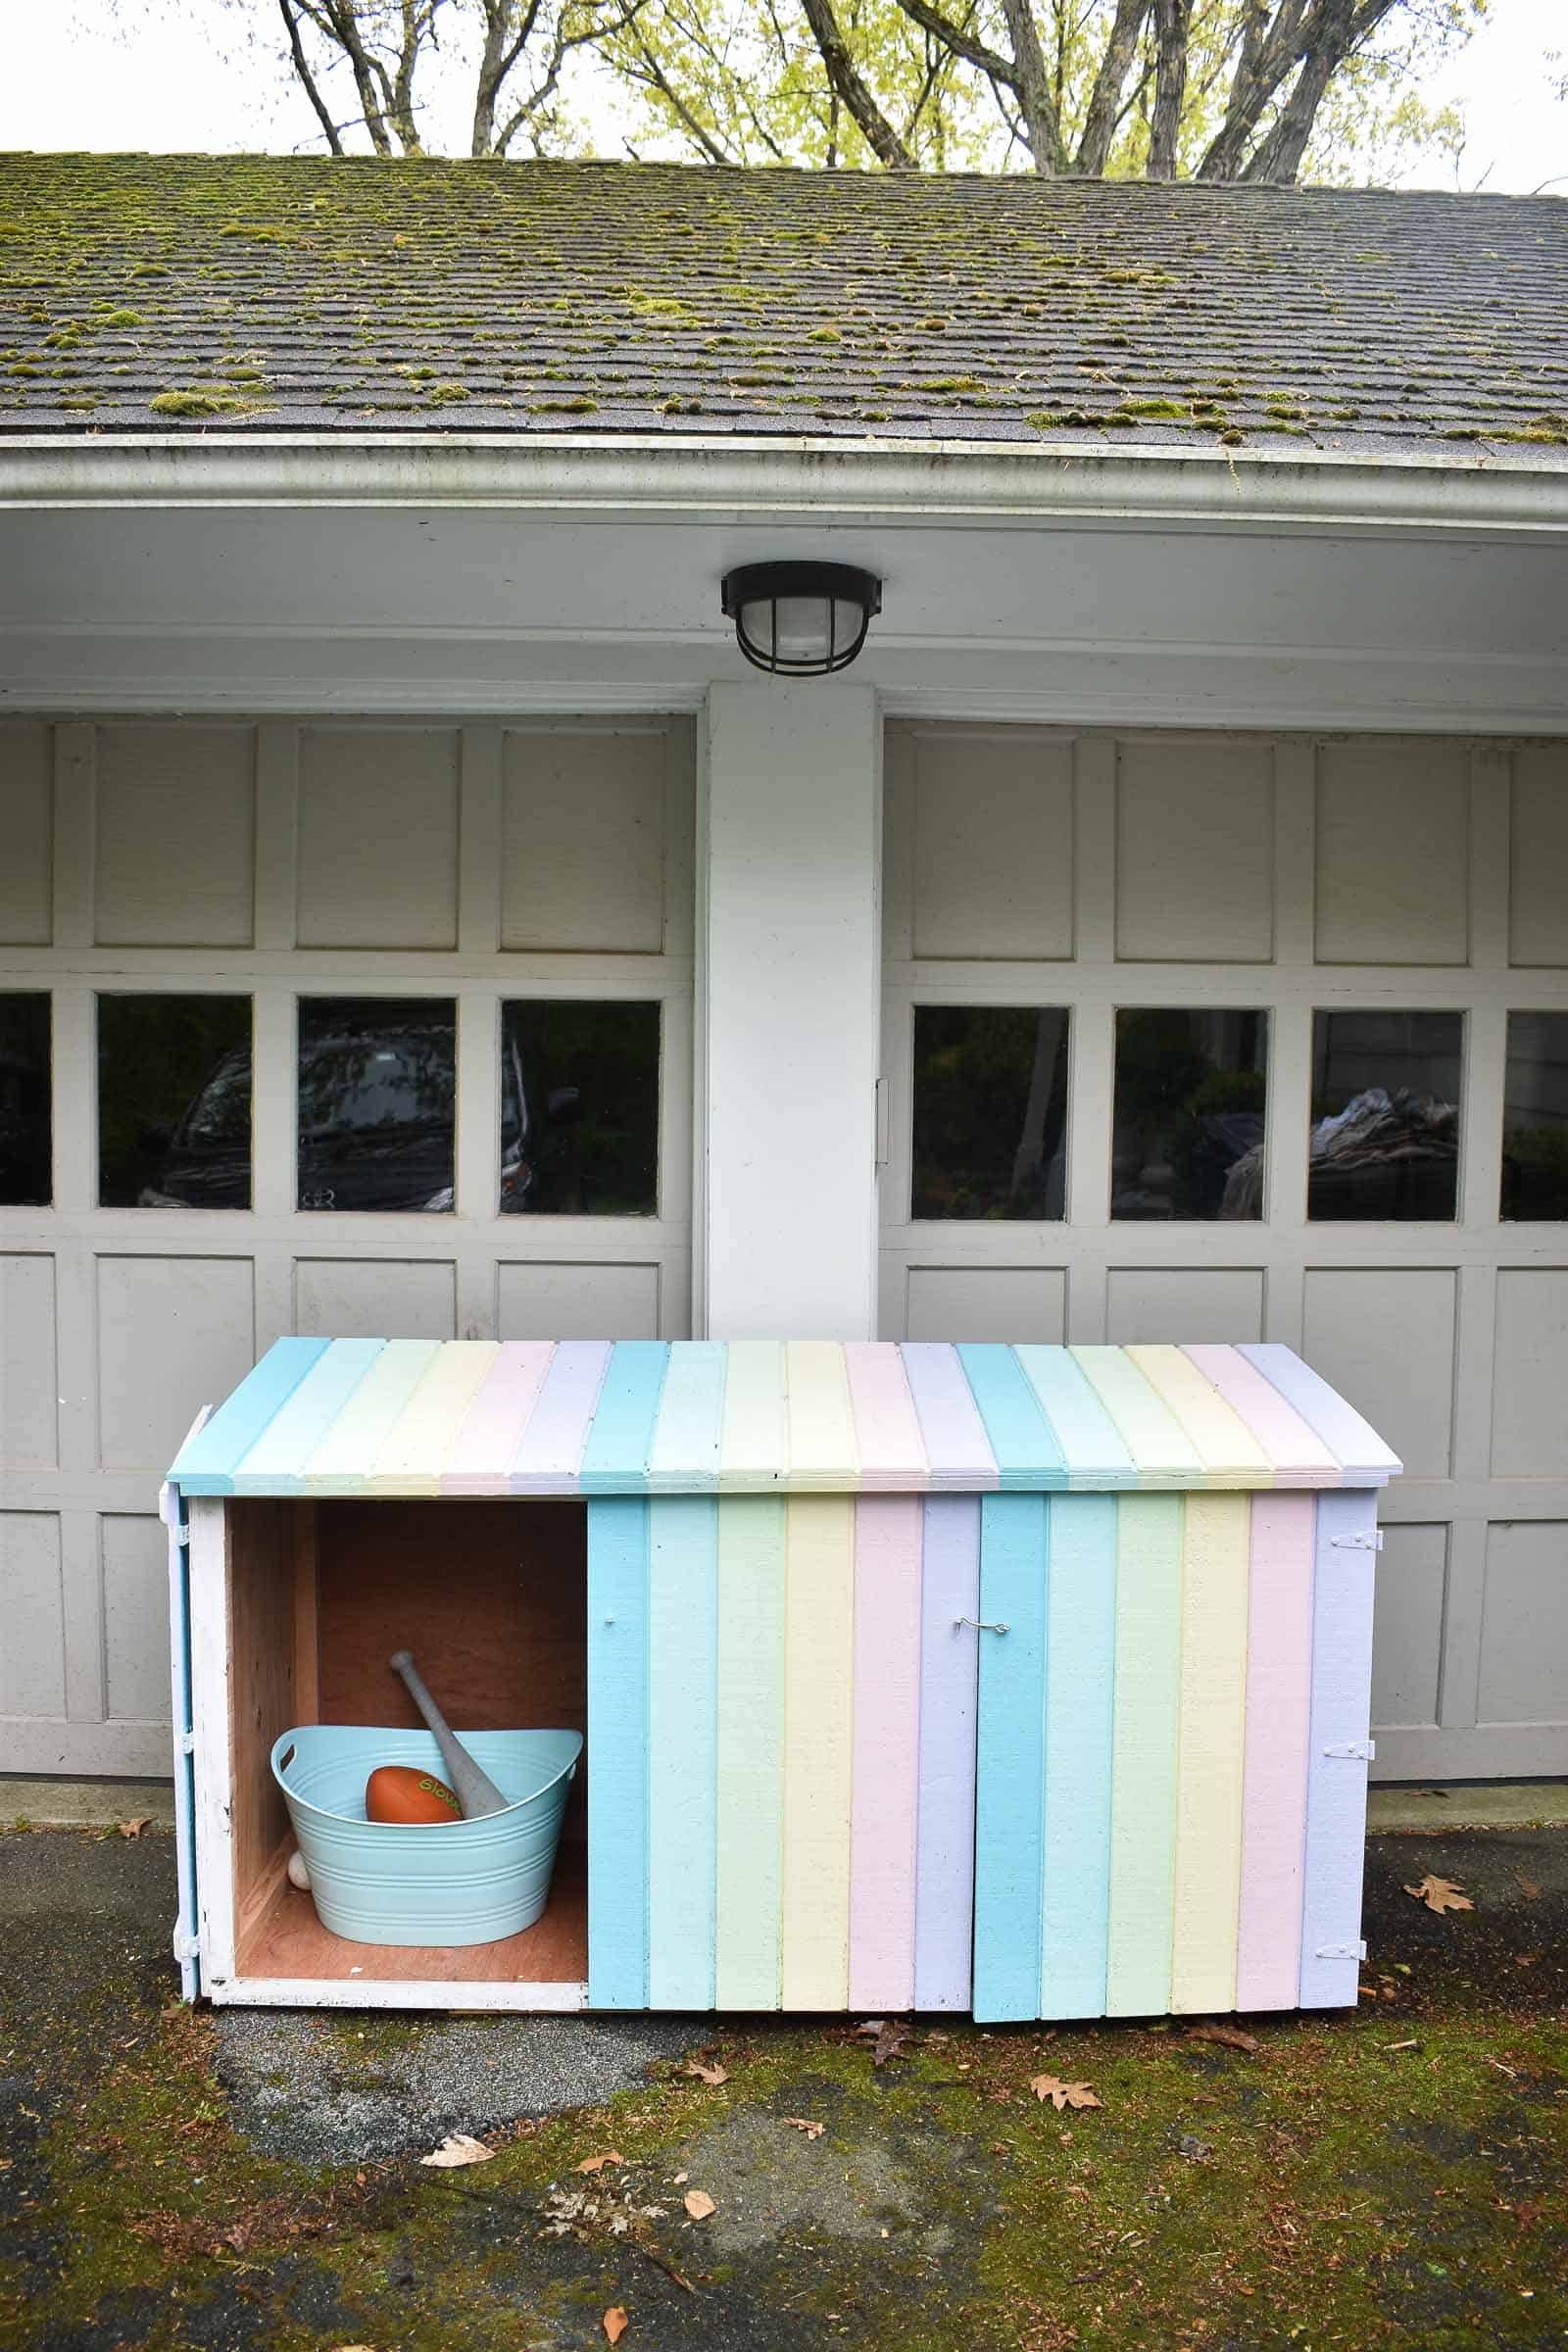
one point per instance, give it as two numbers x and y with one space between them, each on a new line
981 1625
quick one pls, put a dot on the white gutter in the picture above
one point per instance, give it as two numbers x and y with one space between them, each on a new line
728 477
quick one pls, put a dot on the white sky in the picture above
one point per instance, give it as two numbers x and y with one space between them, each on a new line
173 75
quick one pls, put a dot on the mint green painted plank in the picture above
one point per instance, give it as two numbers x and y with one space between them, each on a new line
1085 1432
206 1462
749 1831
1165 1454
754 1450
684 1456
682 1748
275 1463
340 1461
1143 1779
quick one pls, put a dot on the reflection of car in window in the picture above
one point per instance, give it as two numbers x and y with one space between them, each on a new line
23 1132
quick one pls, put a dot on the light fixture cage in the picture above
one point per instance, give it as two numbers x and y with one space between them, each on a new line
754 591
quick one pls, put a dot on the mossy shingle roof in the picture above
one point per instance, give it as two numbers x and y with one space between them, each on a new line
189 293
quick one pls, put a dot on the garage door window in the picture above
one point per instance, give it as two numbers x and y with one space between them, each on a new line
1535 1118
1384 1139
1190 1107
25 1123
378 1102
580 1108
990 1111
173 1102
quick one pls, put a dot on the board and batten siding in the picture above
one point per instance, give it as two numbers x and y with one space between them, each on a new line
275 859
1095 869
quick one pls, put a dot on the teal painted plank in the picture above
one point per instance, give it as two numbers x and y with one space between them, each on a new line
206 1461
275 1463
1009 1767
1021 1439
617 1752
682 1751
684 1456
1085 1432
614 1459
1080 1638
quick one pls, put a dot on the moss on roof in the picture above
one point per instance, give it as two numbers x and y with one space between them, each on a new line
178 294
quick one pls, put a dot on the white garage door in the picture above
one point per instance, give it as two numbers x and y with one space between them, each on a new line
1203 1036
322 1028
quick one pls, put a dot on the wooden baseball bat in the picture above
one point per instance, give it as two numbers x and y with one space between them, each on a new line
476 1792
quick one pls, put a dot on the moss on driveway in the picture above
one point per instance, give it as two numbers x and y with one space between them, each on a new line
1392 2177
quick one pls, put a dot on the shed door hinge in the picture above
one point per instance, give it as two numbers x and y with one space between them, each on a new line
187 1945
1364 1749
1363 1539
1340 1951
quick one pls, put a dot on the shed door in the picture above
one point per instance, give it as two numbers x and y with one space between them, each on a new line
326 1028
1221 1037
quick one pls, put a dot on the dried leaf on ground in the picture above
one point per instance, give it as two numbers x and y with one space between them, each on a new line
699 2204
614 2323
1232 2036
712 2076
135 1829
1062 2094
1440 1894
803 2123
458 2148
596 2164
1528 1888
887 2035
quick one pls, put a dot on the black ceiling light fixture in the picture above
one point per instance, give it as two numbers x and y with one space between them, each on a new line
801 620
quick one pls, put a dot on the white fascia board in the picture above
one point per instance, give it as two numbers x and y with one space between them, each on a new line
731 477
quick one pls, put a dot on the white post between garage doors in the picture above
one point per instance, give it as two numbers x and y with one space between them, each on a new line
789 834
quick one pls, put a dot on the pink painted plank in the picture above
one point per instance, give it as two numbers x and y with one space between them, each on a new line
951 1428
549 1456
885 1750
887 1426
1279 1691
1299 1457
485 1446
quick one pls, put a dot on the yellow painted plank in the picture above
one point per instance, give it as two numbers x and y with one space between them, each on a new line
823 1452
415 1450
1230 1454
818 1683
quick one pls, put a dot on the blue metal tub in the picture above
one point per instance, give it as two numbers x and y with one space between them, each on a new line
460 1882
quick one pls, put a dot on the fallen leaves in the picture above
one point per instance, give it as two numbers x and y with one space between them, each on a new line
458 2148
699 2204
614 2323
1440 1894
1232 2037
1528 1888
1062 2094
135 1829
803 2123
712 2076
887 2035
596 2164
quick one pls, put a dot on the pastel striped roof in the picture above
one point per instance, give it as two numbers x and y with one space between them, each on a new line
422 1417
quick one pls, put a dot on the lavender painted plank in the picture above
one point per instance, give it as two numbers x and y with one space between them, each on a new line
487 1442
887 1426
885 1750
1279 1682
1336 1789
952 1430
1027 1454
1075 1866
1010 1762
1363 1457
944 1902
548 1454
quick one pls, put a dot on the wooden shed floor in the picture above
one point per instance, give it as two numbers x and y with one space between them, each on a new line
290 1941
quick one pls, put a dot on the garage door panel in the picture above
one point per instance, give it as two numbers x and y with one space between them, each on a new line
1407 1626
1537 932
1181 1304
1384 1338
580 1303
378 837
1195 852
32 1656
173 862
583 842
986 1303
375 1298
1393 853
173 1334
1524 1630
993 865
29 1386
1530 1410
134 1561
25 794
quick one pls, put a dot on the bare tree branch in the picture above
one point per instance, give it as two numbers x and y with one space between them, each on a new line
306 79
844 75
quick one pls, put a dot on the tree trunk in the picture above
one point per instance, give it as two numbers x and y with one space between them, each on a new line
883 140
1104 100
1172 20
1032 83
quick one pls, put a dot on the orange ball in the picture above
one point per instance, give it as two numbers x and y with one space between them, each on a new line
400 1792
